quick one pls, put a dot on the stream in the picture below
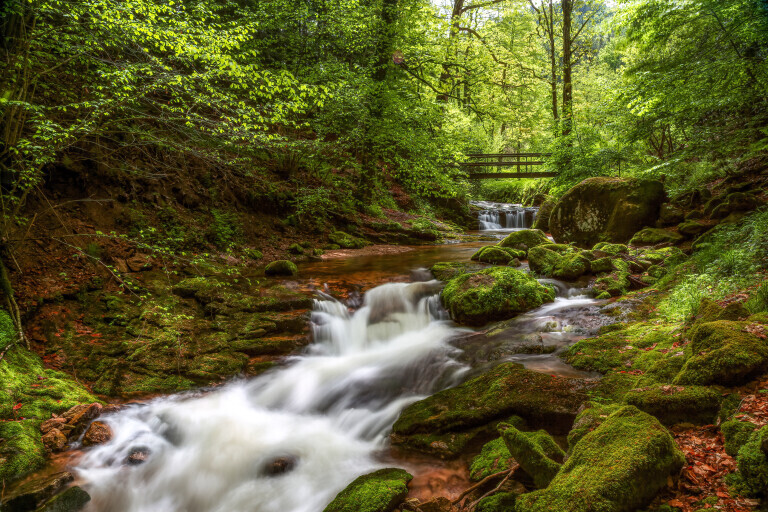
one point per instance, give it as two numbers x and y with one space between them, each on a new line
325 415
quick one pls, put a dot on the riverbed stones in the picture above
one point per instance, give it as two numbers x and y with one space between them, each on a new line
619 466
524 239
493 294
72 499
605 209
30 494
492 254
281 268
98 433
380 491
542 400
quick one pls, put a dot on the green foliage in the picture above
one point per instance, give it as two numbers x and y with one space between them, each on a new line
225 230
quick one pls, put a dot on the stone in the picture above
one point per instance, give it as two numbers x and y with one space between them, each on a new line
54 440
655 236
71 500
692 228
346 241
52 423
524 239
279 466
281 268
492 254
78 417
97 433
380 491
527 451
30 494
542 216
677 404
670 214
605 209
138 456
139 263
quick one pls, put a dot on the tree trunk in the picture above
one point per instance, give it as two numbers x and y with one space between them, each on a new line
445 84
567 72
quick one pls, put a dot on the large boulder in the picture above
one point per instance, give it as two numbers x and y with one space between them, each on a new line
677 404
493 294
542 216
605 209
524 239
380 491
618 467
535 453
542 400
560 262
655 236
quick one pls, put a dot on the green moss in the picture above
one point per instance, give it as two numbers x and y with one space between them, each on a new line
619 466
543 260
494 456
736 434
723 353
72 499
588 420
21 449
347 241
753 464
525 239
380 491
614 284
493 294
492 254
655 236
600 265
253 254
612 249
677 404
499 502
528 451
296 249
281 268
447 270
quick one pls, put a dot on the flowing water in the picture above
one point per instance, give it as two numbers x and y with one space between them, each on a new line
504 216
326 414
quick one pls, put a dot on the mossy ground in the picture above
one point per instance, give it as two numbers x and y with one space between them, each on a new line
380 491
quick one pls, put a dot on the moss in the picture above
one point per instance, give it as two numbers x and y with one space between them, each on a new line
296 249
753 464
21 449
447 270
736 434
194 287
346 241
619 466
72 499
492 254
499 502
588 420
253 254
722 353
655 236
612 249
494 456
530 454
677 404
525 239
600 265
614 284
493 294
380 491
281 268
543 260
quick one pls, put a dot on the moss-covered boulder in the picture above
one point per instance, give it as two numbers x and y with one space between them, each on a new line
524 239
493 294
380 491
655 236
736 434
670 214
590 417
494 456
281 268
492 254
734 202
347 241
542 216
543 401
753 464
677 404
499 502
552 261
618 467
21 449
723 353
605 209
692 228
447 270
613 284
71 500
611 249
533 452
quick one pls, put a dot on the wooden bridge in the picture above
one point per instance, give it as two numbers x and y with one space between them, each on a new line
524 162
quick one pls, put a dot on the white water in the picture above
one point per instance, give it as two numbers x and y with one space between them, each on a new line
512 216
330 409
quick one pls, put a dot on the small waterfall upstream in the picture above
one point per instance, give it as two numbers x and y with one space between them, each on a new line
504 216
328 411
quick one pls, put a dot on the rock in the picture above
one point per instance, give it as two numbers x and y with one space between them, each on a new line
670 214
296 249
71 500
620 466
439 504
545 210
601 265
611 249
734 202
139 262
736 434
30 494
52 423
526 449
753 465
493 457
568 265
445 270
492 254
281 268
380 491
692 228
21 449
525 239
279 466
605 209
78 417
138 456
54 440
677 404
723 354
655 236
98 433
499 502
542 400
346 241
493 294
694 215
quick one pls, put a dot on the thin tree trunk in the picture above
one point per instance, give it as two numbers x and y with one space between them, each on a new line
567 71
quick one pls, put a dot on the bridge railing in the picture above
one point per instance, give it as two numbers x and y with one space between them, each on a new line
524 162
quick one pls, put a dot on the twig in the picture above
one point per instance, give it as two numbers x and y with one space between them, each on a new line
479 484
509 474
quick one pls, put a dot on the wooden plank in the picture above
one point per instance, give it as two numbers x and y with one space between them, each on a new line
499 164
505 175
505 155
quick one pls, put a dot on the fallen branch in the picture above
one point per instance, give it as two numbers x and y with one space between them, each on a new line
496 489
479 484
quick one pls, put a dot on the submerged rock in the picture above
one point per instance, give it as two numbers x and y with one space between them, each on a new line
493 294
619 466
380 491
30 494
71 500
279 465
605 209
98 433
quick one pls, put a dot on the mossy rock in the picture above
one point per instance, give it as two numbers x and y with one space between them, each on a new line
600 265
611 249
499 502
71 500
677 404
670 214
655 236
281 268
734 202
493 294
21 449
736 434
753 464
620 466
380 491
535 452
296 249
590 417
614 284
492 254
508 389
723 353
558 261
542 216
494 456
194 287
543 260
447 270
347 241
524 239
605 210
692 228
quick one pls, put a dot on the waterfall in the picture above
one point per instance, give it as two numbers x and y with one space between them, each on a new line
326 412
491 216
